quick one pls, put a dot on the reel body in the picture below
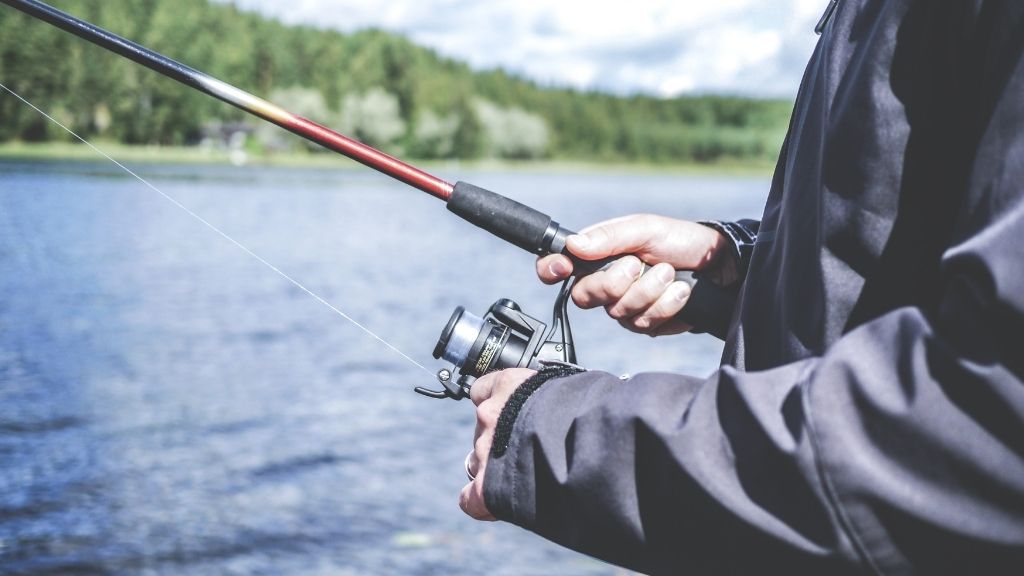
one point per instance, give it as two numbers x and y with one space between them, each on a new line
505 337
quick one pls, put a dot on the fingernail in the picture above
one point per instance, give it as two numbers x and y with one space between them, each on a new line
581 241
558 269
666 274
631 268
682 291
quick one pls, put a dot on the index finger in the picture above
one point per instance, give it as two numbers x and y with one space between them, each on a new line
554 268
482 388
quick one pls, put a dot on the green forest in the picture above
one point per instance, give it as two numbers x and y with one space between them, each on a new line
373 85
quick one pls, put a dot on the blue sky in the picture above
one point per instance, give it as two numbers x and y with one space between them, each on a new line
660 47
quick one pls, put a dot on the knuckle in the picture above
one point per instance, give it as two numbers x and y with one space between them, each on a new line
480 391
485 416
628 325
615 291
510 377
581 299
653 284
480 447
617 312
630 266
621 276
650 292
657 313
602 234
646 220
587 293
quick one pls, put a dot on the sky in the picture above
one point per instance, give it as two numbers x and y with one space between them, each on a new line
660 47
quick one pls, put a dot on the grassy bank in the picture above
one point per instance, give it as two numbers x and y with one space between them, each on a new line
64 151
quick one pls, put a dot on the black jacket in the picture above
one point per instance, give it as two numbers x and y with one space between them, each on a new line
869 413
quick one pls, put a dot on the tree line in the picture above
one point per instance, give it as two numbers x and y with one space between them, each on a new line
373 85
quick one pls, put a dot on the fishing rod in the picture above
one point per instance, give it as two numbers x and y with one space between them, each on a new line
469 342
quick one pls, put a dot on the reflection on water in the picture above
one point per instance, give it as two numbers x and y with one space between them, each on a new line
170 405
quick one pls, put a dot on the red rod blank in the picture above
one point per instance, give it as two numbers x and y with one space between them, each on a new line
371 157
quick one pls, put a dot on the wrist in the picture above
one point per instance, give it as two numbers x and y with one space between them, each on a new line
730 252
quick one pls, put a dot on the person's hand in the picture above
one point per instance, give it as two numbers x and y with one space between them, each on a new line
646 303
489 393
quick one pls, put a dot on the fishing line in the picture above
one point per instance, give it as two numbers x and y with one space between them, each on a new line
223 234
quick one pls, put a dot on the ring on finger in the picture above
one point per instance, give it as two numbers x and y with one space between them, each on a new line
644 267
465 464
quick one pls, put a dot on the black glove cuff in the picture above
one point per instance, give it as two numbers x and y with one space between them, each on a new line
509 414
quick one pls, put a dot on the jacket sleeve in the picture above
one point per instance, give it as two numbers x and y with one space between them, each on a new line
899 449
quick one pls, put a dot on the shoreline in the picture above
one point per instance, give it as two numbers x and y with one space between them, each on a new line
72 152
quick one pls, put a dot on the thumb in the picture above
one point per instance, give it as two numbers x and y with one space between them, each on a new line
653 239
624 235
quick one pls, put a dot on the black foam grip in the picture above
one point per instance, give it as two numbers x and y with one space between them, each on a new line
503 217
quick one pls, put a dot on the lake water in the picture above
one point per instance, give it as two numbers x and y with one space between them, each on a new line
169 405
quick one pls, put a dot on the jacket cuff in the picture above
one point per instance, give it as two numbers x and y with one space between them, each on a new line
514 405
500 479
742 235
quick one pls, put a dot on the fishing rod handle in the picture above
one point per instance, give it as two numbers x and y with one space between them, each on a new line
708 307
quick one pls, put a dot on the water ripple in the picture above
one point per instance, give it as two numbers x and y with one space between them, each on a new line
299 464
41 426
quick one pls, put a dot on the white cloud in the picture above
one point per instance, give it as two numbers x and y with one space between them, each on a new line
661 47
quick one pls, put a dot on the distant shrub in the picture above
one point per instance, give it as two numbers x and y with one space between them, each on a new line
434 136
512 132
373 117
